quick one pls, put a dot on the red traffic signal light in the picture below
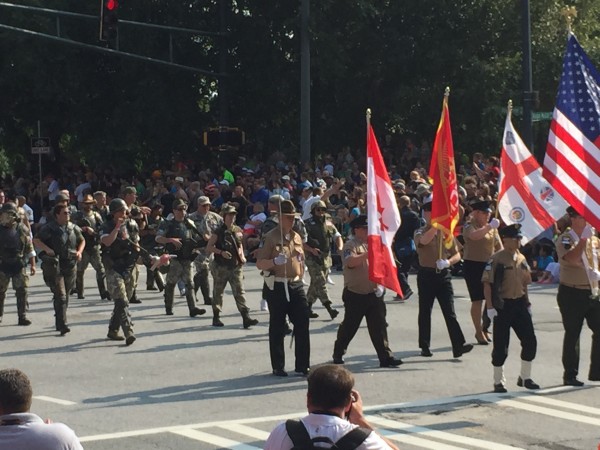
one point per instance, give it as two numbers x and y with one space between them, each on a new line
109 20
111 5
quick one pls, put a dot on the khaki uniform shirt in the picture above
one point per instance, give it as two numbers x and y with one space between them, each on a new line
356 279
574 274
479 250
516 273
292 248
429 254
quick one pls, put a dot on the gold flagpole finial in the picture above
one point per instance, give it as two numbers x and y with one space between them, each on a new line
509 107
447 91
569 13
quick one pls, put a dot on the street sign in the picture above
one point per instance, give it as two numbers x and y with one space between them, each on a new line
40 146
542 116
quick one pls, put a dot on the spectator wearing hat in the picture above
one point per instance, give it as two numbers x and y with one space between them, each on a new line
227 266
181 237
281 258
207 222
481 242
434 280
578 295
90 223
505 281
362 298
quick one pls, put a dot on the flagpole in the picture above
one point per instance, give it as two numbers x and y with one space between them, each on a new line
509 108
569 13
441 241
368 118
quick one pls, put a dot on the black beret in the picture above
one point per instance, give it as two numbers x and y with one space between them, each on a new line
359 222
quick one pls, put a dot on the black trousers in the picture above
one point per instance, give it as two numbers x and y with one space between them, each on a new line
403 268
432 285
513 315
357 306
298 311
575 306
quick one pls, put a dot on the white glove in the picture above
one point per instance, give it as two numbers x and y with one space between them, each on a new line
593 275
491 313
379 291
587 232
494 223
280 260
442 264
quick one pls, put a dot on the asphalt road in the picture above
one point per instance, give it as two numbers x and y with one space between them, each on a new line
186 385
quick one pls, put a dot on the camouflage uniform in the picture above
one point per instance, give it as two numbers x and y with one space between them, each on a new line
229 271
180 267
320 232
206 225
91 253
149 244
59 270
119 260
15 248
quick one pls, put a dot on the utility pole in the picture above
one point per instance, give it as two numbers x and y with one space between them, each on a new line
304 81
527 125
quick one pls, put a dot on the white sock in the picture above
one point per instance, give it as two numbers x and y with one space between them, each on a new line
499 375
526 370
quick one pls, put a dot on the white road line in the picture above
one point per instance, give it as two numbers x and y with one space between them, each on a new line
562 404
215 440
549 412
416 441
442 435
54 400
245 430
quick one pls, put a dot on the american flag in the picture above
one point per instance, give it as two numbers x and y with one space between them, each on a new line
572 162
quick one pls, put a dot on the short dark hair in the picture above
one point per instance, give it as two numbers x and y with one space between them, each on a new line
15 391
330 386
57 209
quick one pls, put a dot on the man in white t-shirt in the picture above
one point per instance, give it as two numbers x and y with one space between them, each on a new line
53 187
22 430
335 409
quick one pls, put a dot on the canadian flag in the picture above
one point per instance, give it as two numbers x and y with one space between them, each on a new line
383 218
525 196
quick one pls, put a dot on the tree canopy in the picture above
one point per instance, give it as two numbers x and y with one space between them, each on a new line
394 57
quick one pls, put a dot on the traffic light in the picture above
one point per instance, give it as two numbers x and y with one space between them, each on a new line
109 20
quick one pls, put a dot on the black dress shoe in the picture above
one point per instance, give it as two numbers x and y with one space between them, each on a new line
392 362
333 313
217 322
500 388
407 294
169 311
572 382
280 373
303 372
528 383
426 352
64 330
339 360
80 297
312 314
135 300
24 321
461 351
197 312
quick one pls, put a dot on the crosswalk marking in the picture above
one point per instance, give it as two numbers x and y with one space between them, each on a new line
442 435
214 439
248 431
416 441
562 404
58 401
549 412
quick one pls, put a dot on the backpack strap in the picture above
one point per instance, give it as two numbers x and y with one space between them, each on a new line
353 439
298 434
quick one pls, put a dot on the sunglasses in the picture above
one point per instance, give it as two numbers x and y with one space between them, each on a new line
182 208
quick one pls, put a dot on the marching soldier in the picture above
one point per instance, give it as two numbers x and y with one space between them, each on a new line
362 298
320 232
62 244
207 222
90 223
578 295
281 258
100 206
434 280
181 238
15 249
505 279
120 251
130 198
148 227
229 260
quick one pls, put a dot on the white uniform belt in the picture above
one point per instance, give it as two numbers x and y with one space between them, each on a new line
287 280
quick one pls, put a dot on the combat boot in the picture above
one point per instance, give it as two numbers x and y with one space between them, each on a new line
24 321
216 322
114 335
248 321
169 294
134 298
333 313
130 338
79 285
189 296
